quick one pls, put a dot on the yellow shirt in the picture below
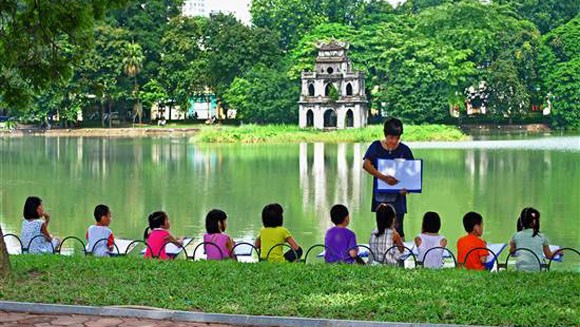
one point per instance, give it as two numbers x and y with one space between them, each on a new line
270 236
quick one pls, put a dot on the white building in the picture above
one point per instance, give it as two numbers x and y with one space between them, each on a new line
239 8
333 95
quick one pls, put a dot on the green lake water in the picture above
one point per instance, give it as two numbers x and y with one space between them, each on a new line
137 176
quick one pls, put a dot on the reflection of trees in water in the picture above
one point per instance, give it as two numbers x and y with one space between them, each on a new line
137 176
332 176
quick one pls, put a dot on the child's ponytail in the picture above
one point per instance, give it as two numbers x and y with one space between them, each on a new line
146 233
536 215
527 218
156 220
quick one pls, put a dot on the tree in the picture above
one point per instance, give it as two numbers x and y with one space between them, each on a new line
54 41
264 95
302 56
146 23
560 71
231 49
99 72
40 42
181 48
132 65
502 47
545 14
508 95
292 19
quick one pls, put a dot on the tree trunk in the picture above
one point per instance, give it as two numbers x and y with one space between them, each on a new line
5 266
139 107
102 113
109 108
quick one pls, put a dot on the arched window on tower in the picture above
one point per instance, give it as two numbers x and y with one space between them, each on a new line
309 118
349 118
348 89
311 89
327 89
329 118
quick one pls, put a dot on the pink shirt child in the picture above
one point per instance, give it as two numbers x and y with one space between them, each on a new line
157 240
221 240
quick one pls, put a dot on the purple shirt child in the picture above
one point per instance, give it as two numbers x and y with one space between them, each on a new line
338 242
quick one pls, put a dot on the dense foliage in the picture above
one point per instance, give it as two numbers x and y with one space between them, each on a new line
419 58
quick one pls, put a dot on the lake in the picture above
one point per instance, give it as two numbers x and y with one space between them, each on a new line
136 176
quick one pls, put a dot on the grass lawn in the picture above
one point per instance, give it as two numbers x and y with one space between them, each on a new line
294 134
318 291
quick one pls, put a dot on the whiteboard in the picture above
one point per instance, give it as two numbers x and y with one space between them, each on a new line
408 172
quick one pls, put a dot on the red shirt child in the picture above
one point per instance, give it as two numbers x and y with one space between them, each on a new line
473 224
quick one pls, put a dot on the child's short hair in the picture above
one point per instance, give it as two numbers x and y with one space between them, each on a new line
212 220
393 127
385 215
431 222
30 206
272 215
470 220
100 211
338 213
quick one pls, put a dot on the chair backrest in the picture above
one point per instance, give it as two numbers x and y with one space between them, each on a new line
205 244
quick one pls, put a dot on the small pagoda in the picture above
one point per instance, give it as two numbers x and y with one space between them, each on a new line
333 95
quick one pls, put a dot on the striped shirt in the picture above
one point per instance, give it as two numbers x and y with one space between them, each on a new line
380 244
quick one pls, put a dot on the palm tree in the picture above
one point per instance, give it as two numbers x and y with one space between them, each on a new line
132 65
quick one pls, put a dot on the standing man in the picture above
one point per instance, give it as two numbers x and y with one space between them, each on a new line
389 148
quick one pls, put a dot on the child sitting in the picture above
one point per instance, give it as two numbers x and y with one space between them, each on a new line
36 223
529 237
385 236
215 225
430 238
473 224
157 236
100 239
273 234
340 242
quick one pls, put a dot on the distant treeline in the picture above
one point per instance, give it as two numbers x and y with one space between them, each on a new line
419 58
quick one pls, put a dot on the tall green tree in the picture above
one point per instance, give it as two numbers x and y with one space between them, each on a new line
545 14
560 71
303 55
181 48
264 95
146 23
40 41
292 19
132 65
231 49
502 47
100 73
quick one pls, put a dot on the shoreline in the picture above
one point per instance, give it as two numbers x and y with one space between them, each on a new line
219 134
102 132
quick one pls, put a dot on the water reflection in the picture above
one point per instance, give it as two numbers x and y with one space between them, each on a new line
138 176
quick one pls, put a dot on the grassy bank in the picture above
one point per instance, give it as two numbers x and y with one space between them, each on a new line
326 291
293 134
